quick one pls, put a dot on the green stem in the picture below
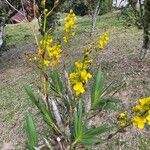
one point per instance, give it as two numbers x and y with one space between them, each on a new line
73 144
44 27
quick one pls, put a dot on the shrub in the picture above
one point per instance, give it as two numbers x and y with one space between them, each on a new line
105 6
79 7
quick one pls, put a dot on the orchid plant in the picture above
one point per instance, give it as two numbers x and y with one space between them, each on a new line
62 99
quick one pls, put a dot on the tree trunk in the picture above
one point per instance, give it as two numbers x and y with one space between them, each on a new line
146 25
146 30
94 15
1 36
2 22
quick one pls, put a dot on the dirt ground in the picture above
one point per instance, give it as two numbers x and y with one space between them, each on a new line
119 61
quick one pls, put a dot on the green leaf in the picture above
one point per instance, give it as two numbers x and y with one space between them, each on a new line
108 104
56 83
75 119
77 123
97 88
32 97
80 113
31 132
90 135
99 130
83 135
47 116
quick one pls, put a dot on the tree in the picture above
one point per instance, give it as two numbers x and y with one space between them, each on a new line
94 11
142 20
146 29
96 8
144 15
2 21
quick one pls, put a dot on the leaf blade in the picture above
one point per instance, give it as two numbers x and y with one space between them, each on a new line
31 132
97 88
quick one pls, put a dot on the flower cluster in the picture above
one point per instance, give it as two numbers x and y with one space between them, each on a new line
142 113
70 25
49 53
123 119
80 76
103 40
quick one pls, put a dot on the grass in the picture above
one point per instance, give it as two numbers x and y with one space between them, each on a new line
13 106
16 35
119 61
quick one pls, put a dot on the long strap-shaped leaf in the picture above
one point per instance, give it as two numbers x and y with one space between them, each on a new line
47 116
83 135
56 83
90 136
31 132
97 88
78 124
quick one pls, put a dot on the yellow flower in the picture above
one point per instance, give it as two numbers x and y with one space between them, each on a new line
103 40
79 89
85 76
74 77
70 22
123 119
46 41
101 44
79 65
137 108
65 39
40 52
88 62
82 65
142 113
123 116
70 25
78 80
49 40
106 37
46 62
51 55
48 57
145 101
148 119
81 75
34 58
139 122
143 106
123 123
